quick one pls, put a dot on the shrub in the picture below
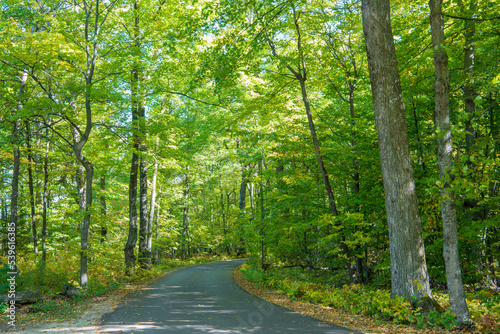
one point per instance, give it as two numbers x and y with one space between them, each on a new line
355 298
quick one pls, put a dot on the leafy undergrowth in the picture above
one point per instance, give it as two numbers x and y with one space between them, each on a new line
375 304
54 308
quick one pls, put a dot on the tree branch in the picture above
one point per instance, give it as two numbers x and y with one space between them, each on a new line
471 18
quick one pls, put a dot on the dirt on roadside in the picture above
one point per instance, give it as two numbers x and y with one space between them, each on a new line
87 322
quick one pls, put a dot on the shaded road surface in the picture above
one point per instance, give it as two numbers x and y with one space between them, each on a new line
205 299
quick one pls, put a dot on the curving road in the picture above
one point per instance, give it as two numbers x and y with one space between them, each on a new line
205 299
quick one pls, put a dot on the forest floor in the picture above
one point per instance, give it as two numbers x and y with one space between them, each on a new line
333 315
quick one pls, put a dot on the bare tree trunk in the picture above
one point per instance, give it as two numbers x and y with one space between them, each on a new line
157 223
12 235
152 210
91 34
79 175
45 200
262 218
409 276
445 163
243 189
417 135
32 192
129 249
469 92
252 202
132 226
84 242
104 230
14 197
144 255
185 216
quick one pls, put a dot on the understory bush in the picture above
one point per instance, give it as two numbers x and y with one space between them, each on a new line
368 300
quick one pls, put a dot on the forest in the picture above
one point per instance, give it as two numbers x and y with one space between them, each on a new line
327 137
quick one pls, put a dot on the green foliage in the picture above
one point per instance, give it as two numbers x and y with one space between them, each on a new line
100 289
48 279
55 307
4 284
434 319
366 299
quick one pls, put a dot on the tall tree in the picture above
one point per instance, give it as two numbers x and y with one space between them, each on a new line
445 164
185 217
409 276
134 168
45 196
31 188
132 188
95 15
299 71
13 228
144 253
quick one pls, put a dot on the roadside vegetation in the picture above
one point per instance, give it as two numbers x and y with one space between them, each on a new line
324 288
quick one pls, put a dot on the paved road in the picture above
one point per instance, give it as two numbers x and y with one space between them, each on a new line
205 299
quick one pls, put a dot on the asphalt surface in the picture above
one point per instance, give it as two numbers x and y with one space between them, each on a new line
205 299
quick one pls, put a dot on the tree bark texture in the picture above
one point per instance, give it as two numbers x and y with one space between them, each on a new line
445 163
15 192
469 92
185 216
144 255
16 163
132 222
132 187
134 166
31 189
45 196
408 266
104 230
152 207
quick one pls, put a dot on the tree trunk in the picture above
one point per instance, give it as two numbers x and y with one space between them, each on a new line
32 192
84 242
152 210
409 276
152 205
79 175
157 222
134 167
132 187
469 92
417 136
104 230
445 163
262 219
89 175
12 235
185 216
45 200
144 255
243 188
354 147
252 202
